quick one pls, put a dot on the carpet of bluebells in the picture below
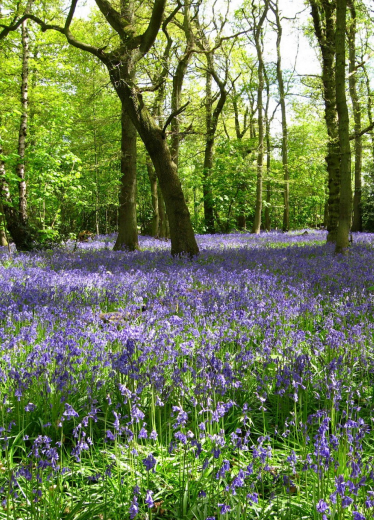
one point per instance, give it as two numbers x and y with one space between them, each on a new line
238 385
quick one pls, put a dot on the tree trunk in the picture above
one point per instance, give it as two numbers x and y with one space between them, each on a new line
326 39
286 192
154 139
164 224
207 188
345 207
268 155
178 80
154 194
3 238
211 123
20 232
369 107
240 133
258 36
127 238
208 153
268 169
20 168
128 228
357 213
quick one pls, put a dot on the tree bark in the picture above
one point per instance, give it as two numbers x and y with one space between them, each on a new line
3 237
258 38
325 33
240 133
127 238
153 182
268 155
211 121
20 167
178 80
20 232
345 207
208 154
369 107
357 212
286 192
164 224
128 228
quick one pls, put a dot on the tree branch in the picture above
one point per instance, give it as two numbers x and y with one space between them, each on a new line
174 114
63 30
69 17
148 37
113 17
364 131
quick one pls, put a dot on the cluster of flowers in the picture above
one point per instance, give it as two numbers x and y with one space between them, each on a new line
244 377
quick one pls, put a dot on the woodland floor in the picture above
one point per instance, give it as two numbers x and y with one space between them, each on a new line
239 385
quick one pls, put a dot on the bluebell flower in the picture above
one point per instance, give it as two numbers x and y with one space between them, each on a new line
148 499
346 501
253 497
69 412
143 434
322 507
149 462
110 436
134 508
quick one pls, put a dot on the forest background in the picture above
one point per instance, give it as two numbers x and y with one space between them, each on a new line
240 101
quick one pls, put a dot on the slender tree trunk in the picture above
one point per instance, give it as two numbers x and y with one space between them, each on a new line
207 188
211 123
260 150
3 238
325 32
243 185
345 207
128 228
369 107
20 168
258 39
195 207
96 180
153 182
268 157
178 80
286 192
208 153
357 213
